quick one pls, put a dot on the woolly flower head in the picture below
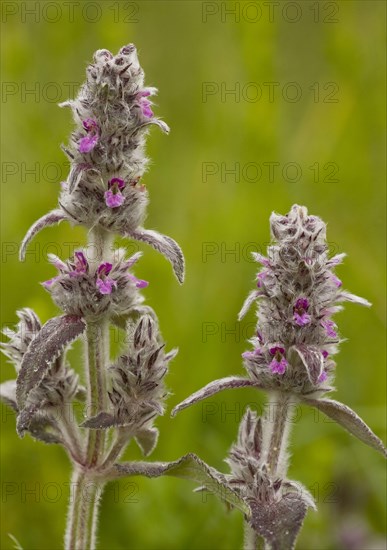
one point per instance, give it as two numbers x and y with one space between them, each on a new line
112 113
298 292
94 291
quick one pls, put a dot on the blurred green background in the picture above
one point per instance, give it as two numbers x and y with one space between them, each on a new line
334 134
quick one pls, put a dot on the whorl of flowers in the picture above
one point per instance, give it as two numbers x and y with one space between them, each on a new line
95 291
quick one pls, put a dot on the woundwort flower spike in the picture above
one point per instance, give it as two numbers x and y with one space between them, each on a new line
107 156
292 359
95 288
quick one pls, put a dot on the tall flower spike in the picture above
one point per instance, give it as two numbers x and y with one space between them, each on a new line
95 288
296 338
112 114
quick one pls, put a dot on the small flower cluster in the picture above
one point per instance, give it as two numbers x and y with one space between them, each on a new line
58 387
108 288
137 386
298 292
249 475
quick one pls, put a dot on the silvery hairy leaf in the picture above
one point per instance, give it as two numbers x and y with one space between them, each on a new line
147 440
187 467
167 246
349 420
279 521
44 349
52 218
232 382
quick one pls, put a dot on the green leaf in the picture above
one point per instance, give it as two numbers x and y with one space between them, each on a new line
189 467
349 420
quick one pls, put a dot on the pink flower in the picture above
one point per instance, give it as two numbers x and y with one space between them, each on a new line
104 283
145 104
278 364
113 196
300 309
329 327
88 142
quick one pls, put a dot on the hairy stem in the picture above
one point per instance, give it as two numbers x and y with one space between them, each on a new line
74 507
71 434
276 429
97 344
83 512
120 442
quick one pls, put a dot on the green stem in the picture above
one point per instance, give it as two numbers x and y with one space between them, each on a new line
71 434
83 510
121 441
276 432
97 344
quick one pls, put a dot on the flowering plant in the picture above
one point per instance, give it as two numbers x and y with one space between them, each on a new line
94 289
292 360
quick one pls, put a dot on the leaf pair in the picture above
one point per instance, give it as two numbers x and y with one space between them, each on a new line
162 243
335 410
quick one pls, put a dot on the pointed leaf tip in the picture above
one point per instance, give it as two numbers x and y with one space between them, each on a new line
349 420
166 246
232 382
47 345
52 218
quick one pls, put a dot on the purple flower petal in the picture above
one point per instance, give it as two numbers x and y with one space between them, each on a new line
278 367
300 309
261 276
302 303
81 264
301 320
104 268
261 259
329 328
323 376
113 200
336 281
48 284
89 124
106 286
88 143
277 349
140 283
116 182
146 108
